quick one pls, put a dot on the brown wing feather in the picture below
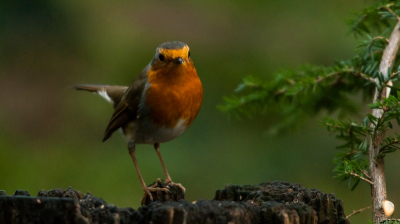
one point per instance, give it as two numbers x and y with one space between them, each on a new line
127 108
120 117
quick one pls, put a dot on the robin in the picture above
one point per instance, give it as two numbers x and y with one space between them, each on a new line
158 106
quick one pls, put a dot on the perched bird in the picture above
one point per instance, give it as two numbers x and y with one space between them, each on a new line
158 106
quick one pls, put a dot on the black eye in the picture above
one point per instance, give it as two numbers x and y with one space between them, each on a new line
161 57
189 54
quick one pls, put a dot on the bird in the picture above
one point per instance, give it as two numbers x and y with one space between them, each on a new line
159 105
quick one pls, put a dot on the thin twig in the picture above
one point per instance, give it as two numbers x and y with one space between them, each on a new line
366 174
320 79
395 74
380 38
364 76
358 176
357 211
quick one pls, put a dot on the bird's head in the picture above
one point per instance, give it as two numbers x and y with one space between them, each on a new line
172 54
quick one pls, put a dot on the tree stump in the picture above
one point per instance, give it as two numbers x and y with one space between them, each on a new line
272 202
309 204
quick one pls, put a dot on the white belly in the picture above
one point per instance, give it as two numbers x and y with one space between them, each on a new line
143 132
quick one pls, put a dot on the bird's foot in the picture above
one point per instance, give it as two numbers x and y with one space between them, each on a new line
148 192
163 191
170 184
158 182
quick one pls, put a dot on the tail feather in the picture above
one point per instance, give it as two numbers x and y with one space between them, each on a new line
90 88
112 94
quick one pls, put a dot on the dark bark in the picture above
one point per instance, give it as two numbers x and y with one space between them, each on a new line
275 202
309 204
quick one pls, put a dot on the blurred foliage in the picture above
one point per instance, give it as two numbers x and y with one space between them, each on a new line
303 92
308 90
50 135
353 161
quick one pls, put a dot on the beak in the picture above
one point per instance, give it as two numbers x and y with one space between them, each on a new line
179 60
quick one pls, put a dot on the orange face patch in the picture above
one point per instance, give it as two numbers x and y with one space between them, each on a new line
172 54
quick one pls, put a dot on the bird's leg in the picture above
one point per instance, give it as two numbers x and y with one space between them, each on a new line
168 178
147 190
131 148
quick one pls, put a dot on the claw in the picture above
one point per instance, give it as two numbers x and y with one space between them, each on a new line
179 185
146 193
156 182
148 190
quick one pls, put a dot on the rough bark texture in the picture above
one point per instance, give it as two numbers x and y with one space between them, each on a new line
275 202
310 204
377 165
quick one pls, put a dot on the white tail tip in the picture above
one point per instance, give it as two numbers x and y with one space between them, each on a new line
102 92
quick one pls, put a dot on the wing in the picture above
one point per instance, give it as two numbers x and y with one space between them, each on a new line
127 108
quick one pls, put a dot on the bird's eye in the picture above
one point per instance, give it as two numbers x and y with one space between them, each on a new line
161 57
189 54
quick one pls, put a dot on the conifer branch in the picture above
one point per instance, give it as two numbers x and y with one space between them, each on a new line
388 145
387 8
360 177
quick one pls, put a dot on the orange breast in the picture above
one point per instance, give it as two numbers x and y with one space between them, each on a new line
174 93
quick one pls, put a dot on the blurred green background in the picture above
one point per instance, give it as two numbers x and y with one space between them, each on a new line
50 135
